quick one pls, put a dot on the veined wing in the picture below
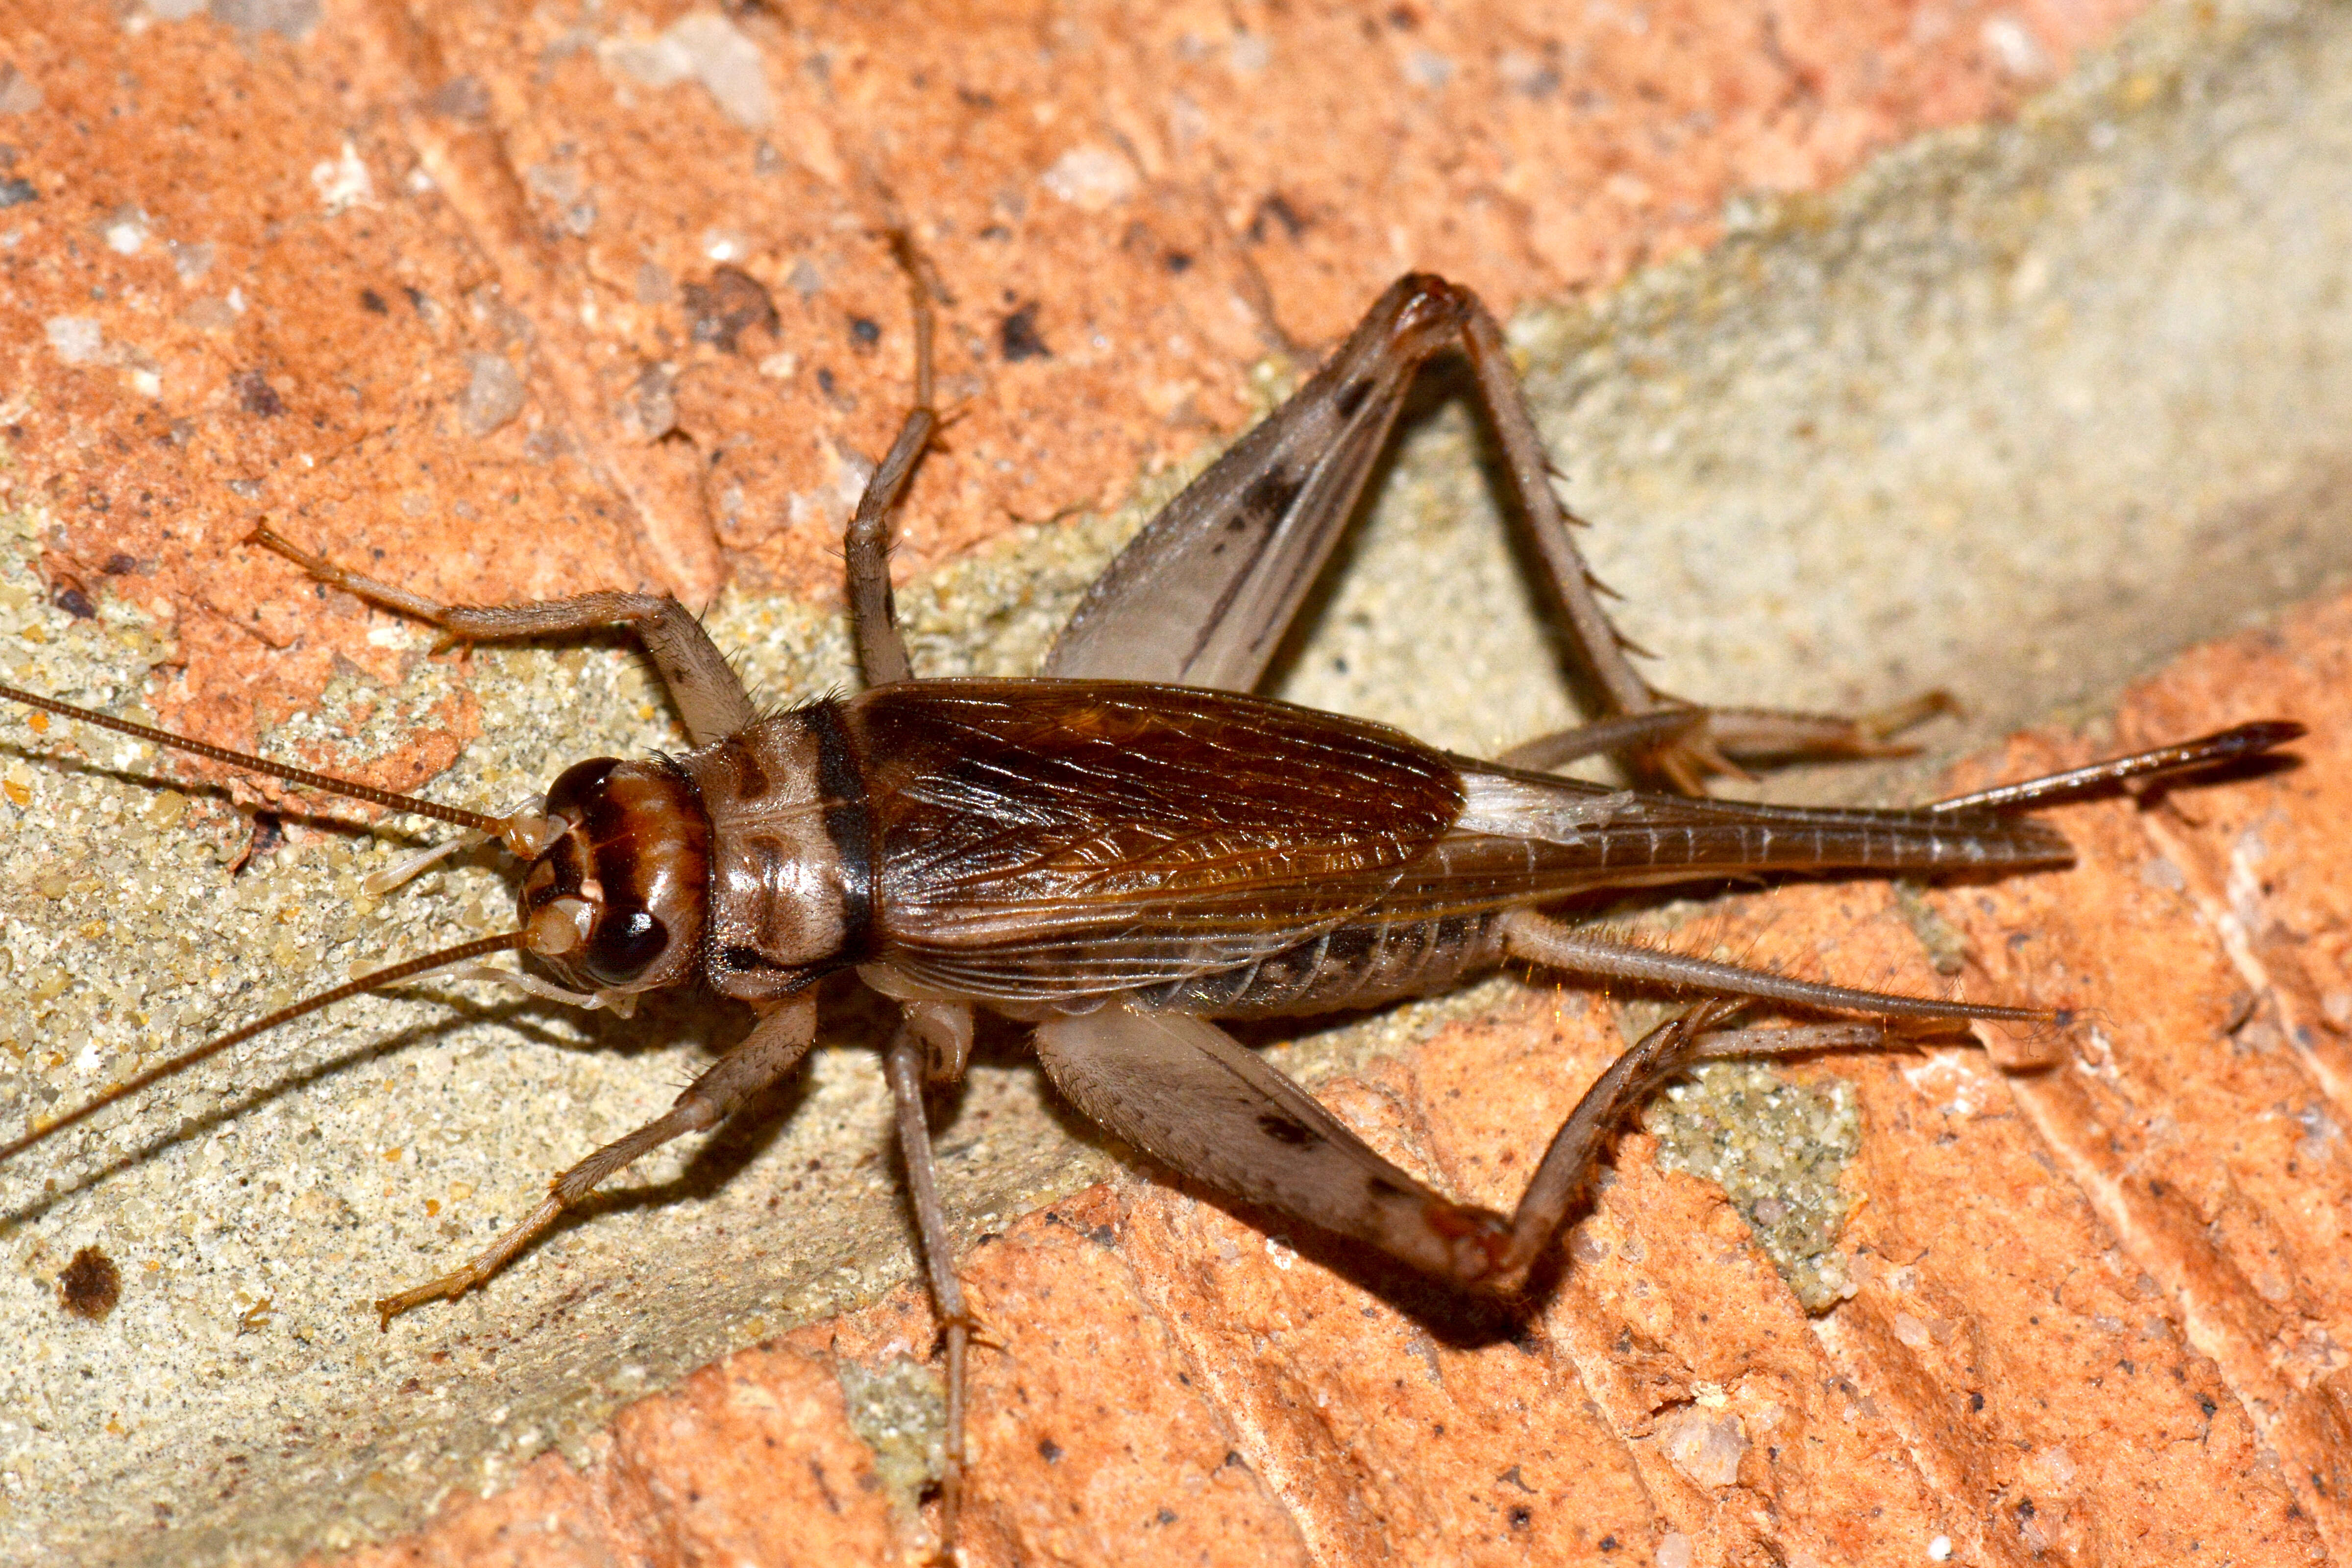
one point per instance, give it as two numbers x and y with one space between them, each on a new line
1094 836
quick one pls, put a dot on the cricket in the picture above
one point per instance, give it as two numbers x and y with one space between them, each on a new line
1131 847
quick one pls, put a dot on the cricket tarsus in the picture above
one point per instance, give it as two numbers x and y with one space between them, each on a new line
1123 853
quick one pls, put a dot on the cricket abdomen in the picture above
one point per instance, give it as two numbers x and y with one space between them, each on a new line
1526 837
1360 964
1527 840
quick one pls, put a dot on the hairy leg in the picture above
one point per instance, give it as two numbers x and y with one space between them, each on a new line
710 698
772 1048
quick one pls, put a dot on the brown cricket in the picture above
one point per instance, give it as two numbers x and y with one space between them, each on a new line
1131 845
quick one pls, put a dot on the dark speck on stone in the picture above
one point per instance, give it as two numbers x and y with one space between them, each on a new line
75 603
90 1285
865 332
17 192
255 395
1017 338
1274 213
374 303
721 310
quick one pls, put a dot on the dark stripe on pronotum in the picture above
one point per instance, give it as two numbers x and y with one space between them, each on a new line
850 826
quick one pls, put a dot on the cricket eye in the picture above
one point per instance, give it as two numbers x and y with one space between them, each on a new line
623 946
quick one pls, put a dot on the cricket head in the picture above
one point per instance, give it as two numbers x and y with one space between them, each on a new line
613 899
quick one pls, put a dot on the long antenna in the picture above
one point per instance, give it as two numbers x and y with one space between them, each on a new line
188 1059
496 826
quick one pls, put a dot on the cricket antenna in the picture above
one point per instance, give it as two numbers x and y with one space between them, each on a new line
479 947
525 832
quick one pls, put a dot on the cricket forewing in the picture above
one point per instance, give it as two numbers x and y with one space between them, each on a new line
1045 843
1136 846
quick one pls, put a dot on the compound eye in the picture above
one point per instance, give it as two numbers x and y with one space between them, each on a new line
580 787
623 946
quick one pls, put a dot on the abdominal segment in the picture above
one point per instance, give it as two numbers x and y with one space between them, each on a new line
1360 964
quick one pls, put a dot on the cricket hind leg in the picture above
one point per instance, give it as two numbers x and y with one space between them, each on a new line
1683 760
1190 1095
1750 737
709 696
772 1048
1558 1187
1206 594
1539 939
1182 1090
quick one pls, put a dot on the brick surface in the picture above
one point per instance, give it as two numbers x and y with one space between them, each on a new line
300 257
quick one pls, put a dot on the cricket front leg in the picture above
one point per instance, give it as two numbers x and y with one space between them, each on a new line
772 1048
710 697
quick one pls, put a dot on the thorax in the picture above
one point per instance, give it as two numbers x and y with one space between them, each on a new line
791 873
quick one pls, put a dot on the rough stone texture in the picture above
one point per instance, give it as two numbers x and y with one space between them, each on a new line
2018 408
295 244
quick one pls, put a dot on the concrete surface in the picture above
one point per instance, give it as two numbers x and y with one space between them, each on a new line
2020 409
